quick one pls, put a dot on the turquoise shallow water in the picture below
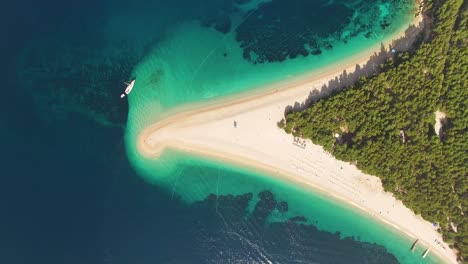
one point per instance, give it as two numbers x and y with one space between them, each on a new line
194 63
191 179
90 206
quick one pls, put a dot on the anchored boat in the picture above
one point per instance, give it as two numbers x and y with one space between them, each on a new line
128 89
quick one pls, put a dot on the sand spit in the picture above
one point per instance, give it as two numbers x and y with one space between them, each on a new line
243 130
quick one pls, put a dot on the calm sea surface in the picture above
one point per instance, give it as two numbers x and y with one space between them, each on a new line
73 190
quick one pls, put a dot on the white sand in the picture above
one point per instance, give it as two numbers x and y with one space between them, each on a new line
257 142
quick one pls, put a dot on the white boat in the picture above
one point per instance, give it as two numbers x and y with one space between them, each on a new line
128 89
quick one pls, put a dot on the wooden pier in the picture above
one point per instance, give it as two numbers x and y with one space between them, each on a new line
426 252
413 247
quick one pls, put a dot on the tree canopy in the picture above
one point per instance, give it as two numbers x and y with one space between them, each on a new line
386 124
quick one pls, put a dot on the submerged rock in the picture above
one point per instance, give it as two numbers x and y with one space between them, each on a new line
65 79
231 233
283 29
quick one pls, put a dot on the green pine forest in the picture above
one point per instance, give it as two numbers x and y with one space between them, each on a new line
428 171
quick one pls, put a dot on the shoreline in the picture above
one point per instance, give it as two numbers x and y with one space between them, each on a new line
325 74
196 128
283 176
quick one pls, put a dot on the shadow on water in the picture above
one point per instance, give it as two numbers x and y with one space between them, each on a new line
376 63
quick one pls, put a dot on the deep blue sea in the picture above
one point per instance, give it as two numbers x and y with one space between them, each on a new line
68 194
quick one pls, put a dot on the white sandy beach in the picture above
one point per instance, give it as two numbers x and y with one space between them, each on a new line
258 143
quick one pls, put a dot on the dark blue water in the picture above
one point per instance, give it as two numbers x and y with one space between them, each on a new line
67 192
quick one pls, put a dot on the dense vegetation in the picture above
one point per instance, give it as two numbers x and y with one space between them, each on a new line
428 172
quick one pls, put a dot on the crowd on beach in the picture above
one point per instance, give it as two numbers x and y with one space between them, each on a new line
300 142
